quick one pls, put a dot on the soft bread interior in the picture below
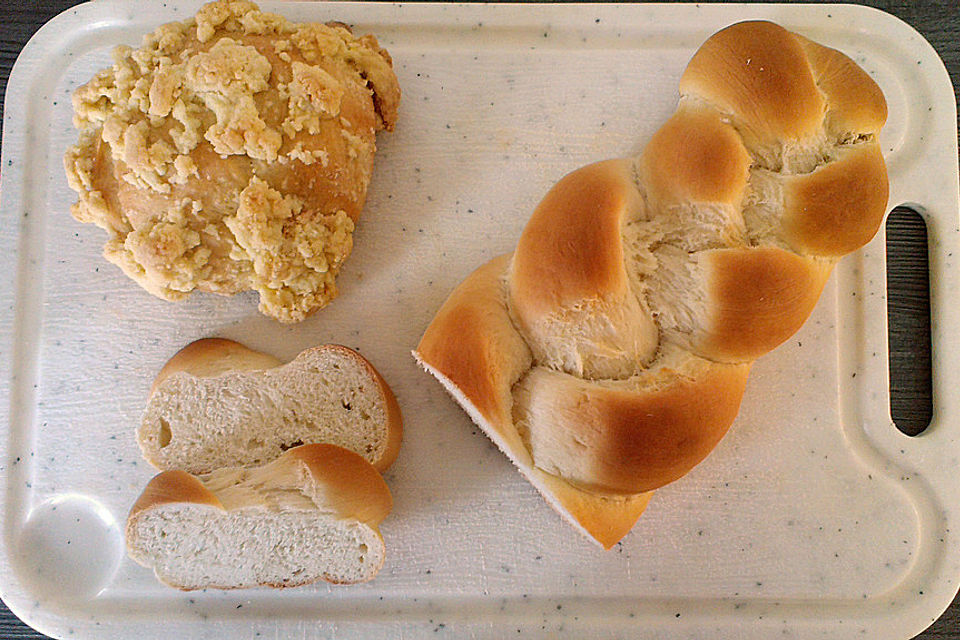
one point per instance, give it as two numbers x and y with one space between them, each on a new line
312 514
195 546
250 417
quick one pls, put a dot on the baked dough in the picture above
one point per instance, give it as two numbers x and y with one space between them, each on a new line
607 355
312 514
231 152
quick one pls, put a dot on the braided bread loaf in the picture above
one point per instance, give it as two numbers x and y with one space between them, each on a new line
608 355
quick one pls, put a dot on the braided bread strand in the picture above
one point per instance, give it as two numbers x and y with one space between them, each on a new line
608 355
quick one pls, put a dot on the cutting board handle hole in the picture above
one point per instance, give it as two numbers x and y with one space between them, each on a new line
908 321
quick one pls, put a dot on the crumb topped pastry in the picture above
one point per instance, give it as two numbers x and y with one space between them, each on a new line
233 152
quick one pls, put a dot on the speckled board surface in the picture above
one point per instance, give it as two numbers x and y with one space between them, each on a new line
814 516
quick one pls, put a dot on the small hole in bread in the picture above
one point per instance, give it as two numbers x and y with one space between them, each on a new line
346 404
295 443
165 434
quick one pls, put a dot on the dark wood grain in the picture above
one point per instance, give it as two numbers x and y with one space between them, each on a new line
937 20
908 308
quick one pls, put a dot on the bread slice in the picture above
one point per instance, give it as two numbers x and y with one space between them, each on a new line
311 514
217 404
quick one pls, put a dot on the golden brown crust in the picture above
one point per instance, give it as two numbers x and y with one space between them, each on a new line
634 437
170 487
568 284
759 297
472 342
348 483
575 228
695 157
209 357
233 151
606 518
758 74
839 207
474 349
855 102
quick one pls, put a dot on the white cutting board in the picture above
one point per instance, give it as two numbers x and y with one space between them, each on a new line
814 517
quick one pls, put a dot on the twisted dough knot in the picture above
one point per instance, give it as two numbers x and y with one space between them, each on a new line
609 355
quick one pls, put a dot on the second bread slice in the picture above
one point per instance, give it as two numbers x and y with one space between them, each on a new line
311 514
217 404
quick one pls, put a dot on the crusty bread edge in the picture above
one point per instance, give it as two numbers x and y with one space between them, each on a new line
351 486
210 357
614 515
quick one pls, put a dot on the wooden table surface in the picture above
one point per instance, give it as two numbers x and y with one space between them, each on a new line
937 20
